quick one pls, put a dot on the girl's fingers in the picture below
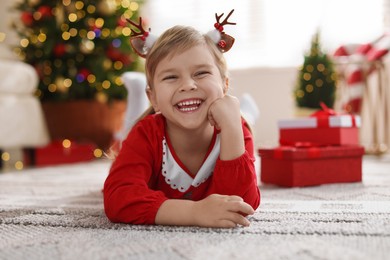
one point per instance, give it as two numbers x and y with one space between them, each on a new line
225 223
241 207
238 219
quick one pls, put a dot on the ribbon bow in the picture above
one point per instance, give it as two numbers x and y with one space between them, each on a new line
325 112
323 116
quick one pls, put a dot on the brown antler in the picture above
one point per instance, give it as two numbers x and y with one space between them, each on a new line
138 26
217 17
224 42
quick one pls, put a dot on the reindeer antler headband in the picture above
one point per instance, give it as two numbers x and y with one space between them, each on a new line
142 41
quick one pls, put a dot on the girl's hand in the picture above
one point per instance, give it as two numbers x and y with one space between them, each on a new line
221 211
225 112
225 115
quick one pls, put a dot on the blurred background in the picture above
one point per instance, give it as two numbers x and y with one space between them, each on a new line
62 64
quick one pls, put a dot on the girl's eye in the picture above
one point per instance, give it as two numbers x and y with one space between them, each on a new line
202 73
170 77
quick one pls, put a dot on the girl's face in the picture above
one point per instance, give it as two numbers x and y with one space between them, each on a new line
185 85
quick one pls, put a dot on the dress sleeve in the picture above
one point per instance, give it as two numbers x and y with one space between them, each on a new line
238 176
127 196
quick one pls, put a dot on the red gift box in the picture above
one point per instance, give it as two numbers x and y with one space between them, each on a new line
60 152
297 167
322 128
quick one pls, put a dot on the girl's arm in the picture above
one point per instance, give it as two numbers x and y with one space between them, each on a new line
128 199
214 211
225 115
127 195
234 172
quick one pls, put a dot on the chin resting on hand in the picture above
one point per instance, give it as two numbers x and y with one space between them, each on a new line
224 111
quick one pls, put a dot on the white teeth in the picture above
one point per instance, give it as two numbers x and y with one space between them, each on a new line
190 102
186 109
189 105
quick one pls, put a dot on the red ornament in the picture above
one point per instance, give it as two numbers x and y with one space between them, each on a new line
219 27
85 72
27 18
59 50
45 11
125 59
144 36
112 53
222 44
116 55
121 22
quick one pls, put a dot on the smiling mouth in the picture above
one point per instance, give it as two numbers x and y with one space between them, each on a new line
189 105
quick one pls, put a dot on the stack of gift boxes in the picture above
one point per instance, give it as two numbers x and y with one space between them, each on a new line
320 149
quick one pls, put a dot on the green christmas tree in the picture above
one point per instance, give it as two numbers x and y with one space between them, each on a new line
316 81
79 48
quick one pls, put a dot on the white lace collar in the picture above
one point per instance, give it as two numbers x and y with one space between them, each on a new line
177 178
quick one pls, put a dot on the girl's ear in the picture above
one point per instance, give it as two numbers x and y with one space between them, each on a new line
226 85
152 98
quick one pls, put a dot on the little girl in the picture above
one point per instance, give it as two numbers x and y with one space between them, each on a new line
191 161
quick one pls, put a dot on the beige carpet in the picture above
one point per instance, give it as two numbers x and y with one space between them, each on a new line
57 213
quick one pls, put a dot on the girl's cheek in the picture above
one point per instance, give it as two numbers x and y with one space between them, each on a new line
221 92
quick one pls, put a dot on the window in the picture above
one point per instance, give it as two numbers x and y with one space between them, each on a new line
275 32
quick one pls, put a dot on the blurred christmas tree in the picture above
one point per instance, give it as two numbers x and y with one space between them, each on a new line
316 79
79 48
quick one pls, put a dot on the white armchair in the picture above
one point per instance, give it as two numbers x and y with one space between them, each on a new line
22 123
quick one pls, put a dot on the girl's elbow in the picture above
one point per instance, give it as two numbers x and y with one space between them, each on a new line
256 202
253 198
112 212
112 209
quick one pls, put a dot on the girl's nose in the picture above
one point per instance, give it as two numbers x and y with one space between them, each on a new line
188 84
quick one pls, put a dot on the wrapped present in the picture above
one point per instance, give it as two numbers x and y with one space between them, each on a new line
308 166
60 152
324 127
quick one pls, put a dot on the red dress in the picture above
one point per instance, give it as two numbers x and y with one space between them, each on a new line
147 172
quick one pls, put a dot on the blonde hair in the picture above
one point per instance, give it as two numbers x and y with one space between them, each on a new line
175 41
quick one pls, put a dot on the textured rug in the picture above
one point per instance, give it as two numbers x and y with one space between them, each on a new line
57 213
